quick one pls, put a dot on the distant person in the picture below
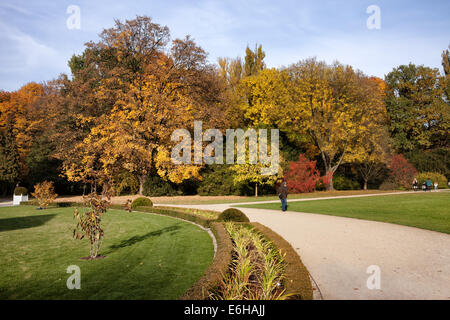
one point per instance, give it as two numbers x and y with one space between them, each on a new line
435 186
424 186
429 184
415 184
282 194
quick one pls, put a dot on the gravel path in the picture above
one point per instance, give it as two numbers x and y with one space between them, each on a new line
413 263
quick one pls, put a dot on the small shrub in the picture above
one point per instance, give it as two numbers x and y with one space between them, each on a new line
234 215
20 191
324 182
402 172
141 202
88 223
44 193
434 177
344 183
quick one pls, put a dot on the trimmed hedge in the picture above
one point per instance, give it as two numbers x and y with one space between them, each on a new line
141 202
214 274
201 220
205 213
34 202
20 191
297 280
233 215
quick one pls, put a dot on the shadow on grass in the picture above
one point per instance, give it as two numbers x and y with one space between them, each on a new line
133 240
24 222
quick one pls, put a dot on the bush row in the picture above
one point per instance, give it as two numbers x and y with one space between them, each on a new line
297 280
213 275
198 219
34 202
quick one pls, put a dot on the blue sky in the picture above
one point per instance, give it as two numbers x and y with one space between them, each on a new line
36 43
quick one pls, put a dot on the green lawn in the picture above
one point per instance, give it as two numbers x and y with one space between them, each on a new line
147 256
422 210
238 199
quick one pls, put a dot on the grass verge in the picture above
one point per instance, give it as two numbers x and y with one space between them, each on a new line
147 256
429 211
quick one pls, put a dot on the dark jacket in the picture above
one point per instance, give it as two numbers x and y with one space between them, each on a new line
282 191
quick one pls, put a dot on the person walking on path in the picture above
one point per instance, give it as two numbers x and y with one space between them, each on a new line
282 191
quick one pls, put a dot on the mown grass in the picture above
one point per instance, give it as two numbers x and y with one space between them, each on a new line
147 256
234 199
429 211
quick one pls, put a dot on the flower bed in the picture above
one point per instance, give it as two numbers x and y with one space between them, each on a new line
257 270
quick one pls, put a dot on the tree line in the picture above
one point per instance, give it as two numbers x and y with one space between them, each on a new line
107 126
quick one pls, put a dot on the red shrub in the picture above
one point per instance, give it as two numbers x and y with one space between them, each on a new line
302 175
402 172
324 182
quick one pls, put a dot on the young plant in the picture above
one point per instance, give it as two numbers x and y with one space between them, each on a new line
44 193
89 222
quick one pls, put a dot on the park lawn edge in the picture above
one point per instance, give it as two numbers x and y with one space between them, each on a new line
298 282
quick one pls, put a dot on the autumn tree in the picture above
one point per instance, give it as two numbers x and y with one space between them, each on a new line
22 115
330 105
9 157
254 60
150 90
262 95
373 141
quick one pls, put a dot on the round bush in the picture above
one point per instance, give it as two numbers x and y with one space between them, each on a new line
234 215
141 202
434 177
20 191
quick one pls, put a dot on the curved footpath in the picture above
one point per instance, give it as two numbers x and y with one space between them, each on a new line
337 251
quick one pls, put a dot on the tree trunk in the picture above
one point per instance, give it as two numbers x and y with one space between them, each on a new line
256 190
365 184
330 183
142 180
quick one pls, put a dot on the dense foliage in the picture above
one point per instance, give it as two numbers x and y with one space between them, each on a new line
435 177
108 126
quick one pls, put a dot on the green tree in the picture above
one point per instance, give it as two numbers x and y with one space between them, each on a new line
419 115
